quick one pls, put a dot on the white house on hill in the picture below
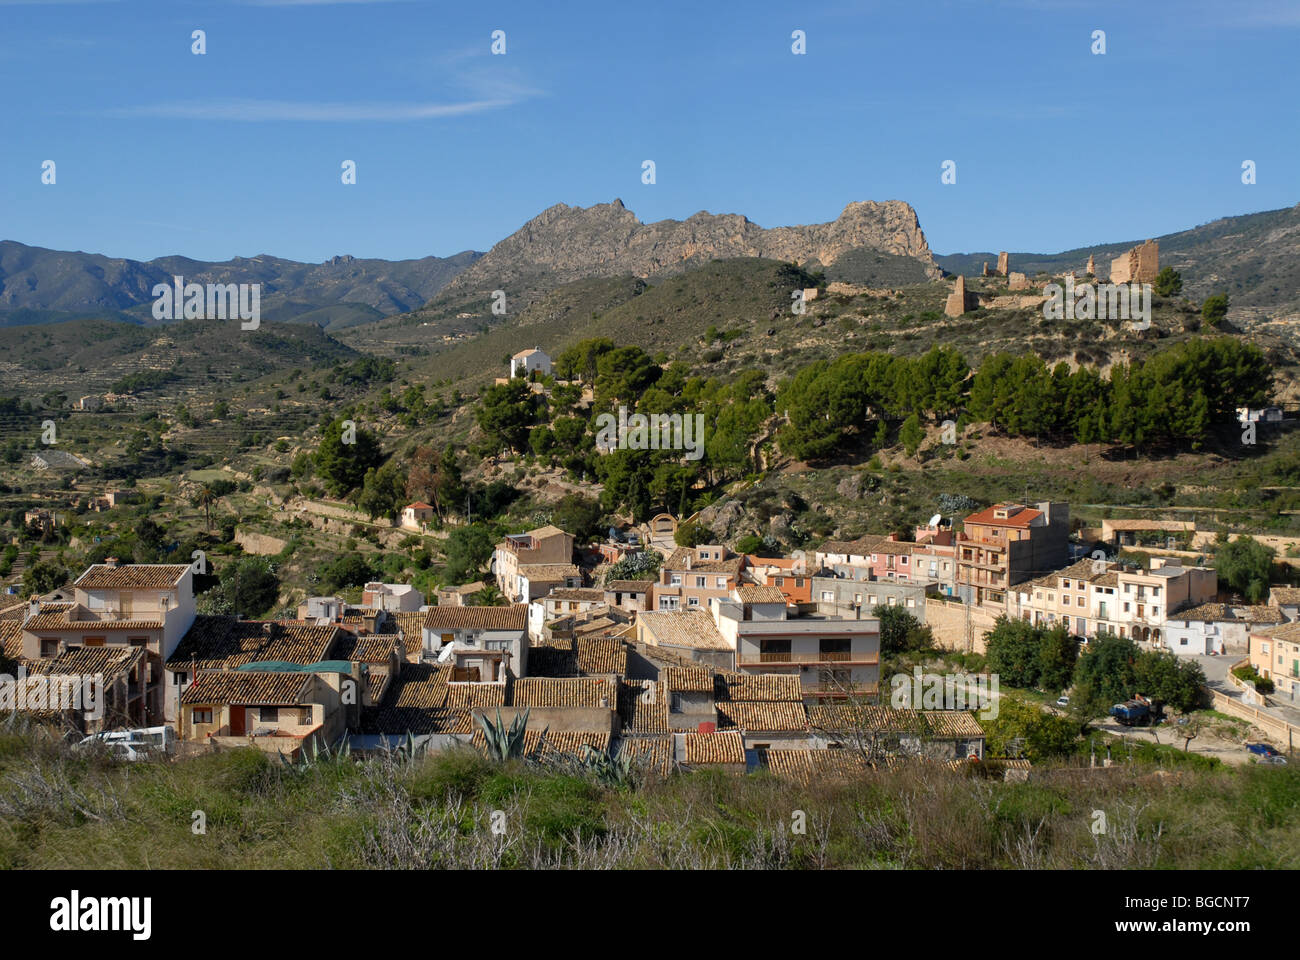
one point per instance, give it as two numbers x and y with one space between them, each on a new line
525 362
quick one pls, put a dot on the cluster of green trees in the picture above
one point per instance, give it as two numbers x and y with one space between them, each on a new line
1112 670
829 403
1244 564
557 430
1175 397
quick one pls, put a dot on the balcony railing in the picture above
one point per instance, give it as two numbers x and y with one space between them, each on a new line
837 657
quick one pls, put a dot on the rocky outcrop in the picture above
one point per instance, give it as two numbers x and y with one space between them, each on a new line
568 243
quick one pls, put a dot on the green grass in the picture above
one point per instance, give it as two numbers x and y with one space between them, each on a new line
59 808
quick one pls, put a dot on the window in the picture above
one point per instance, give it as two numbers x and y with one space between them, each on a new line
872 600
692 602
700 581
911 602
269 714
828 596
305 719
720 583
669 603
201 715
180 679
675 580
779 581
893 601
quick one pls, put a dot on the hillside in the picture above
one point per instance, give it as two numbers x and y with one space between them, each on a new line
337 293
1254 257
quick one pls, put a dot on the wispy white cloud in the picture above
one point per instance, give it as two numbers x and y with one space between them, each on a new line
273 110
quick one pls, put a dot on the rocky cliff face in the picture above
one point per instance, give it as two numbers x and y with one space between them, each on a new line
568 243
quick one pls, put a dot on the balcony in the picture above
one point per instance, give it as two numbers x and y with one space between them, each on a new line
859 659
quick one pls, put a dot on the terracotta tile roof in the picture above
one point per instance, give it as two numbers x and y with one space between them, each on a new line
17 611
132 576
513 617
464 696
415 701
643 706
952 723
683 628
677 563
550 530
840 718
654 754
1287 595
248 687
809 767
769 686
546 692
629 586
376 684
762 716
689 678
1079 570
111 661
54 617
709 748
370 648
1109 579
1260 613
11 636
214 643
600 655
756 594
409 623
546 572
1286 631
985 517
581 594
601 627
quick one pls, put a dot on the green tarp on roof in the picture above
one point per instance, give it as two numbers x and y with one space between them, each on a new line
281 666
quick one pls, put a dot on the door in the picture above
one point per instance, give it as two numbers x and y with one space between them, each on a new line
236 721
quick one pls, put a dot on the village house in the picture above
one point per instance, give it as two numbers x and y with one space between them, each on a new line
147 606
559 602
1275 654
416 515
629 595
526 362
1286 599
1144 599
691 576
787 574
1218 628
457 596
832 657
483 644
274 710
848 591
547 551
391 597
1006 544
220 643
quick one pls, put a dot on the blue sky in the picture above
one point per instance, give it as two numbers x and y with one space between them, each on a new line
239 151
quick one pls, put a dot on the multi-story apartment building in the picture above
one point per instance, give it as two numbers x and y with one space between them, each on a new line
1143 600
545 547
934 558
833 657
787 574
1009 543
691 576
148 606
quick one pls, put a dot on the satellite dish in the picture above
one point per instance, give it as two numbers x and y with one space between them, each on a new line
934 521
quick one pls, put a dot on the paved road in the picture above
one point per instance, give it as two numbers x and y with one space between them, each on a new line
1216 678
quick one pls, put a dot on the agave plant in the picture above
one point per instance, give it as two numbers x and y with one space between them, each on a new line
320 754
612 771
505 743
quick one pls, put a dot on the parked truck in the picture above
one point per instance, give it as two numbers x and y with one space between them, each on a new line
1136 711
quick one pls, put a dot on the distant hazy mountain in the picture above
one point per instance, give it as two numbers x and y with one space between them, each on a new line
39 285
1254 257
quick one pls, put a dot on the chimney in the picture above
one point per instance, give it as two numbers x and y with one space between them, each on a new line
34 606
111 562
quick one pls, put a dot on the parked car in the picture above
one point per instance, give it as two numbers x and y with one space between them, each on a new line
1062 701
1272 760
1262 749
135 744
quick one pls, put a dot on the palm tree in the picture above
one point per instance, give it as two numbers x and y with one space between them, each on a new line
489 596
204 498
